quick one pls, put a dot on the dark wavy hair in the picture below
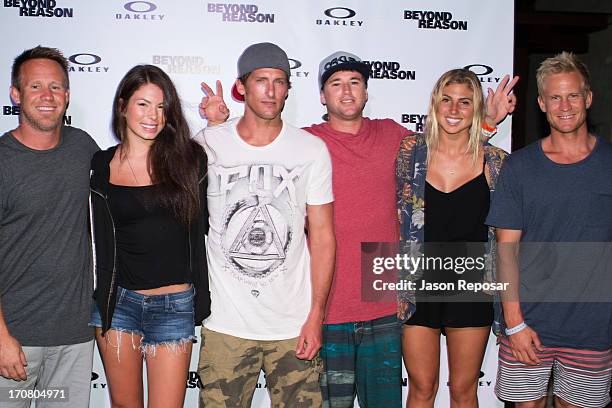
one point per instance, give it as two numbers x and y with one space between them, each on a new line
174 158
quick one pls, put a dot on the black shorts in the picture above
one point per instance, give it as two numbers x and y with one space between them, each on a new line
439 315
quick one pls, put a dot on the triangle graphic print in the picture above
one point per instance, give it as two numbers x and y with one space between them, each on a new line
258 238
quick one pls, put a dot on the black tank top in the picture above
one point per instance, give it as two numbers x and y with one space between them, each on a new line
152 246
456 217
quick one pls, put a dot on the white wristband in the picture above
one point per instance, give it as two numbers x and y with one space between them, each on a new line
513 330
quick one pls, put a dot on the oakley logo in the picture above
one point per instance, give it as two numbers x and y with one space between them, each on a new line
294 64
84 59
479 69
340 12
140 6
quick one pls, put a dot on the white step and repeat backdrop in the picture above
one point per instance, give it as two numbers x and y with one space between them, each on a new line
408 43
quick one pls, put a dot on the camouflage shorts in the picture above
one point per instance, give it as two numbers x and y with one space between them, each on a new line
229 368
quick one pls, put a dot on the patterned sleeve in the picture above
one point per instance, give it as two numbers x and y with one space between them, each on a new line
403 170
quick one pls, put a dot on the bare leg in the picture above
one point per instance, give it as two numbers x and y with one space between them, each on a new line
559 403
167 371
466 348
122 361
421 350
541 403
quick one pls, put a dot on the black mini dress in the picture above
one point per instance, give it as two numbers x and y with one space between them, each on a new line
454 227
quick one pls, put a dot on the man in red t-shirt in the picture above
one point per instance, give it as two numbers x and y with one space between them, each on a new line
361 340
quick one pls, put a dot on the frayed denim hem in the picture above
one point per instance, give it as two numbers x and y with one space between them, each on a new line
147 349
175 346
118 334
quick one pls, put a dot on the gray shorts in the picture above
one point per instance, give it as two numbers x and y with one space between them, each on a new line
66 369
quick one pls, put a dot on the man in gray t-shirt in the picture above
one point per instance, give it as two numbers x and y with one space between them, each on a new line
555 198
46 278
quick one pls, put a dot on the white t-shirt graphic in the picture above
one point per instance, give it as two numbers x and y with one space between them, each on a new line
258 260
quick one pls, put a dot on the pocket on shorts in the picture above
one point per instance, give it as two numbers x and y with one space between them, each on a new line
211 393
183 306
207 374
317 364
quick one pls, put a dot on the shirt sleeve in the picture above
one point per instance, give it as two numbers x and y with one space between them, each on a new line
2 198
398 131
507 200
320 182
199 137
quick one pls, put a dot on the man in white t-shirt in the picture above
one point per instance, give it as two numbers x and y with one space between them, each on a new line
268 286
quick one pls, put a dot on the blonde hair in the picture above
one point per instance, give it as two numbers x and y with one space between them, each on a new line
563 62
432 133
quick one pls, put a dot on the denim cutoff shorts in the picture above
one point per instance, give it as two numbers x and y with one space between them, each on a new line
159 319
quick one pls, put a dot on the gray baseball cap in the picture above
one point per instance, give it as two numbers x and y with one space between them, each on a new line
261 55
341 61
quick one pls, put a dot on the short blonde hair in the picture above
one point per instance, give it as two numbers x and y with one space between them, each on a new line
563 62
432 133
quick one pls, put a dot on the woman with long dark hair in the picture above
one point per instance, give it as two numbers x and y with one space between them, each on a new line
445 179
149 219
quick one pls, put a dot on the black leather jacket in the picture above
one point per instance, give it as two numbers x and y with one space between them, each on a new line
105 243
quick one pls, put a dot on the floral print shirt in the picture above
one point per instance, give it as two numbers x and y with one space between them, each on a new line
411 170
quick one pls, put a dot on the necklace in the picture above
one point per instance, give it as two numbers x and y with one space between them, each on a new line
132 169
448 164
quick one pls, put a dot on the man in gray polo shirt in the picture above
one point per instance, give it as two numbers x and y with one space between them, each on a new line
45 262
